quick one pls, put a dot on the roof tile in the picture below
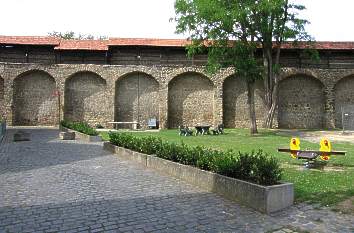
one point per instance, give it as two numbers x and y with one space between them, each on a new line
29 40
103 45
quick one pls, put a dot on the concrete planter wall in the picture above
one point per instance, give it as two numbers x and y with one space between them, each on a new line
2 129
266 199
81 136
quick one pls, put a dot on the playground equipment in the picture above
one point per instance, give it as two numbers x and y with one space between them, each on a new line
324 153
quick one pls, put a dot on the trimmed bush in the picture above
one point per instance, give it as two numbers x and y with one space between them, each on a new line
81 127
255 167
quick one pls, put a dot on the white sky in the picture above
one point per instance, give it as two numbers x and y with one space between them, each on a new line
330 20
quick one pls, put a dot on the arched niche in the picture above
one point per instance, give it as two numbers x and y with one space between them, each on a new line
301 103
85 98
235 107
136 99
344 98
190 100
34 99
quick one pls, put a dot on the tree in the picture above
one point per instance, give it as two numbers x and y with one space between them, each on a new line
70 35
223 28
228 24
275 22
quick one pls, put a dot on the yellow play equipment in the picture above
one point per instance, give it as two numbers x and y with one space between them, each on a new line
324 152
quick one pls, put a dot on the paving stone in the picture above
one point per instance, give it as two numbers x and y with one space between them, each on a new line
53 185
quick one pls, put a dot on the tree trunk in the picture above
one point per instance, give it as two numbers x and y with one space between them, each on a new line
271 111
274 76
251 107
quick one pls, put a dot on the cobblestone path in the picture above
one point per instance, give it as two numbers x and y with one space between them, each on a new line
48 185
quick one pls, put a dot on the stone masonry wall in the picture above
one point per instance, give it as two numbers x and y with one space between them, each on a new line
85 98
183 94
236 112
344 95
301 103
190 101
136 99
2 98
34 99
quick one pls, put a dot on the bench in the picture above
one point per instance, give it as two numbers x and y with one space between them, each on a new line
218 130
185 131
202 129
116 123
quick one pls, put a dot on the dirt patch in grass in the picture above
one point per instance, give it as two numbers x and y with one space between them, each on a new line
316 136
346 207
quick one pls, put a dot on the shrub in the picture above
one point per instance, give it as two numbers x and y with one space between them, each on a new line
255 167
82 127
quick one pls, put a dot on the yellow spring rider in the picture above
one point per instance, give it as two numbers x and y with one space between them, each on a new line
324 152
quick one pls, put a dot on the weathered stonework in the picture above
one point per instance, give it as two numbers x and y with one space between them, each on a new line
301 102
175 94
236 111
2 98
85 98
343 95
34 99
190 100
136 99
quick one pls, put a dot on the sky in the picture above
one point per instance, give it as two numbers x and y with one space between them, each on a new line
330 20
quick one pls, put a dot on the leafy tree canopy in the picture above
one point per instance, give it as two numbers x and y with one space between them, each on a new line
70 35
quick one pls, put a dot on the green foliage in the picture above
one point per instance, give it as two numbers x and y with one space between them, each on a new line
257 167
326 187
70 35
82 127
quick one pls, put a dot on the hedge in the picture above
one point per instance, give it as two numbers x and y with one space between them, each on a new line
256 167
82 127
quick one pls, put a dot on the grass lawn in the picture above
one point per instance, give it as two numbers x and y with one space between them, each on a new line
327 187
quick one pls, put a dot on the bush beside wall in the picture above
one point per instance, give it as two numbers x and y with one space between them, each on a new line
81 127
255 167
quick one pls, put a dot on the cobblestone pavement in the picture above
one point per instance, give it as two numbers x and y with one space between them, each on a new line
48 185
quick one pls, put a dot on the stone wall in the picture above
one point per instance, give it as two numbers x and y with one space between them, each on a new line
344 95
34 99
85 98
2 98
301 103
136 99
178 95
236 111
190 100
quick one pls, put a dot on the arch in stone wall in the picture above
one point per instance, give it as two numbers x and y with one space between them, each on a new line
235 107
136 98
190 100
301 102
84 98
343 96
2 97
34 99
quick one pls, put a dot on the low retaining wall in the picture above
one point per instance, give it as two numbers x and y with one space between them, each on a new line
2 130
266 199
81 136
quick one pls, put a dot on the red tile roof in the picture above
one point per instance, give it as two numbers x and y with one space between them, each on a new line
29 40
103 45
348 45
147 42
100 45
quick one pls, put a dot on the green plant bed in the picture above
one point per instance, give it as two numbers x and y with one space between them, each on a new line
255 167
81 127
324 187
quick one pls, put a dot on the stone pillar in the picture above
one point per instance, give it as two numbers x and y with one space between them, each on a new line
163 106
110 100
329 118
60 81
8 98
218 104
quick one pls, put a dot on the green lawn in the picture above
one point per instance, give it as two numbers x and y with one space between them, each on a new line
325 187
